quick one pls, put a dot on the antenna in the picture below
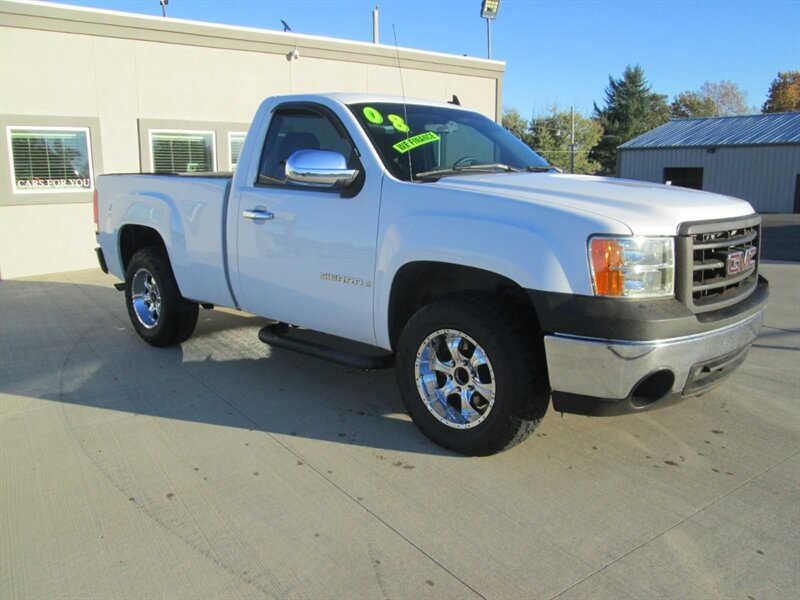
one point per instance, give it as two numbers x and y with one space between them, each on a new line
403 90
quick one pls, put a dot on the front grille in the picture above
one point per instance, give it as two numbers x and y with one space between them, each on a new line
720 262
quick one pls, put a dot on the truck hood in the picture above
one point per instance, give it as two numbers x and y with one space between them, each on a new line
645 208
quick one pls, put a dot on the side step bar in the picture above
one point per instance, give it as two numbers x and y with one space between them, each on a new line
277 334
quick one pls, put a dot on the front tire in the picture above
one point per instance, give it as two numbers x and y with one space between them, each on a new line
158 312
473 379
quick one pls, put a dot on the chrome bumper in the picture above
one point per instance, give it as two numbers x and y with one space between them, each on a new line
612 370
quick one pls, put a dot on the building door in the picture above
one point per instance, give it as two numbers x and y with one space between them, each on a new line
797 194
688 177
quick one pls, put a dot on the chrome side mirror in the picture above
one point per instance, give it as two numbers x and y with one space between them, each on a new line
319 168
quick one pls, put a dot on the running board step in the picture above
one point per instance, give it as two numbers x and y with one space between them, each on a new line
277 334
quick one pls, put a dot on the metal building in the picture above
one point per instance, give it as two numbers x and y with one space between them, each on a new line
755 157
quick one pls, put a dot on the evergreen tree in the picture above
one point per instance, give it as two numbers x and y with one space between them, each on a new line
784 93
631 109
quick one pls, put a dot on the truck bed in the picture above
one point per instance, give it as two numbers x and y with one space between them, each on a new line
188 211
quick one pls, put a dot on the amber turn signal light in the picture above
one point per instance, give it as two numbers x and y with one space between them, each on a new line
607 261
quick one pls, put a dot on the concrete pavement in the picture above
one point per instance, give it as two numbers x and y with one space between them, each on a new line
781 237
224 469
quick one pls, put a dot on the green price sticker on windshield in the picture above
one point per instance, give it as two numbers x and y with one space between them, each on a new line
372 115
416 141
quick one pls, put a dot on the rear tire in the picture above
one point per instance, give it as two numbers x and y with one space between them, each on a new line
158 312
471 375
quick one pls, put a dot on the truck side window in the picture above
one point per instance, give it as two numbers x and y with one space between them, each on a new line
297 129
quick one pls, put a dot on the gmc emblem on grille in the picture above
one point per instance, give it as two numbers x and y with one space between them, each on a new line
741 261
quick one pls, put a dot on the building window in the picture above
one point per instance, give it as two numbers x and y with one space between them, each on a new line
688 177
235 143
50 159
182 151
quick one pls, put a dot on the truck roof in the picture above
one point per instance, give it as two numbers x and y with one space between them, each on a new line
359 97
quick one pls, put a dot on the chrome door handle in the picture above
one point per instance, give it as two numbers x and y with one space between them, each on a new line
258 215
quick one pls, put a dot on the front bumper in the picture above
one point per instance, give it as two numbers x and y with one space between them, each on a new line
609 356
593 376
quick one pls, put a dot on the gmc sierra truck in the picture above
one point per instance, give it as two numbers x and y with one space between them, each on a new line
447 248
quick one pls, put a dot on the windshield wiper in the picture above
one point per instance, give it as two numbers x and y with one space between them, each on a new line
541 169
488 167
465 169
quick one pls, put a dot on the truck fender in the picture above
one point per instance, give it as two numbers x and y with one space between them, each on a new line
480 245
157 212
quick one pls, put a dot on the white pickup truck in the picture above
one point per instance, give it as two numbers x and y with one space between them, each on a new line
443 244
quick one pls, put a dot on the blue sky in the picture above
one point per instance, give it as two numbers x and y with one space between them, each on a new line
556 51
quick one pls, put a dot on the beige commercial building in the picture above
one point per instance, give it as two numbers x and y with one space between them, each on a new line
85 92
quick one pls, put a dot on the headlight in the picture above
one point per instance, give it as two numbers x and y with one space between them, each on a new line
637 267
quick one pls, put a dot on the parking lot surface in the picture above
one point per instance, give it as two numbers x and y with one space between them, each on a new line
226 469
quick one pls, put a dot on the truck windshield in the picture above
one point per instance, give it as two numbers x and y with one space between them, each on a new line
435 141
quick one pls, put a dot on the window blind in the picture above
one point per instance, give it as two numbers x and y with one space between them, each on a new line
182 152
236 143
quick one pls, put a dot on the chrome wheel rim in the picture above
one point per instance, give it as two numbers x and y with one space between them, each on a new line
146 298
455 379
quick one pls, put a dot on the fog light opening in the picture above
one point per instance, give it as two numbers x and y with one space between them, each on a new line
652 388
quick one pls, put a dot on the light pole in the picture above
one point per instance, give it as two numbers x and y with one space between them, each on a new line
572 144
164 7
489 10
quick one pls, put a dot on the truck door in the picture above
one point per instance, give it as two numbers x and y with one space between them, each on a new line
306 256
